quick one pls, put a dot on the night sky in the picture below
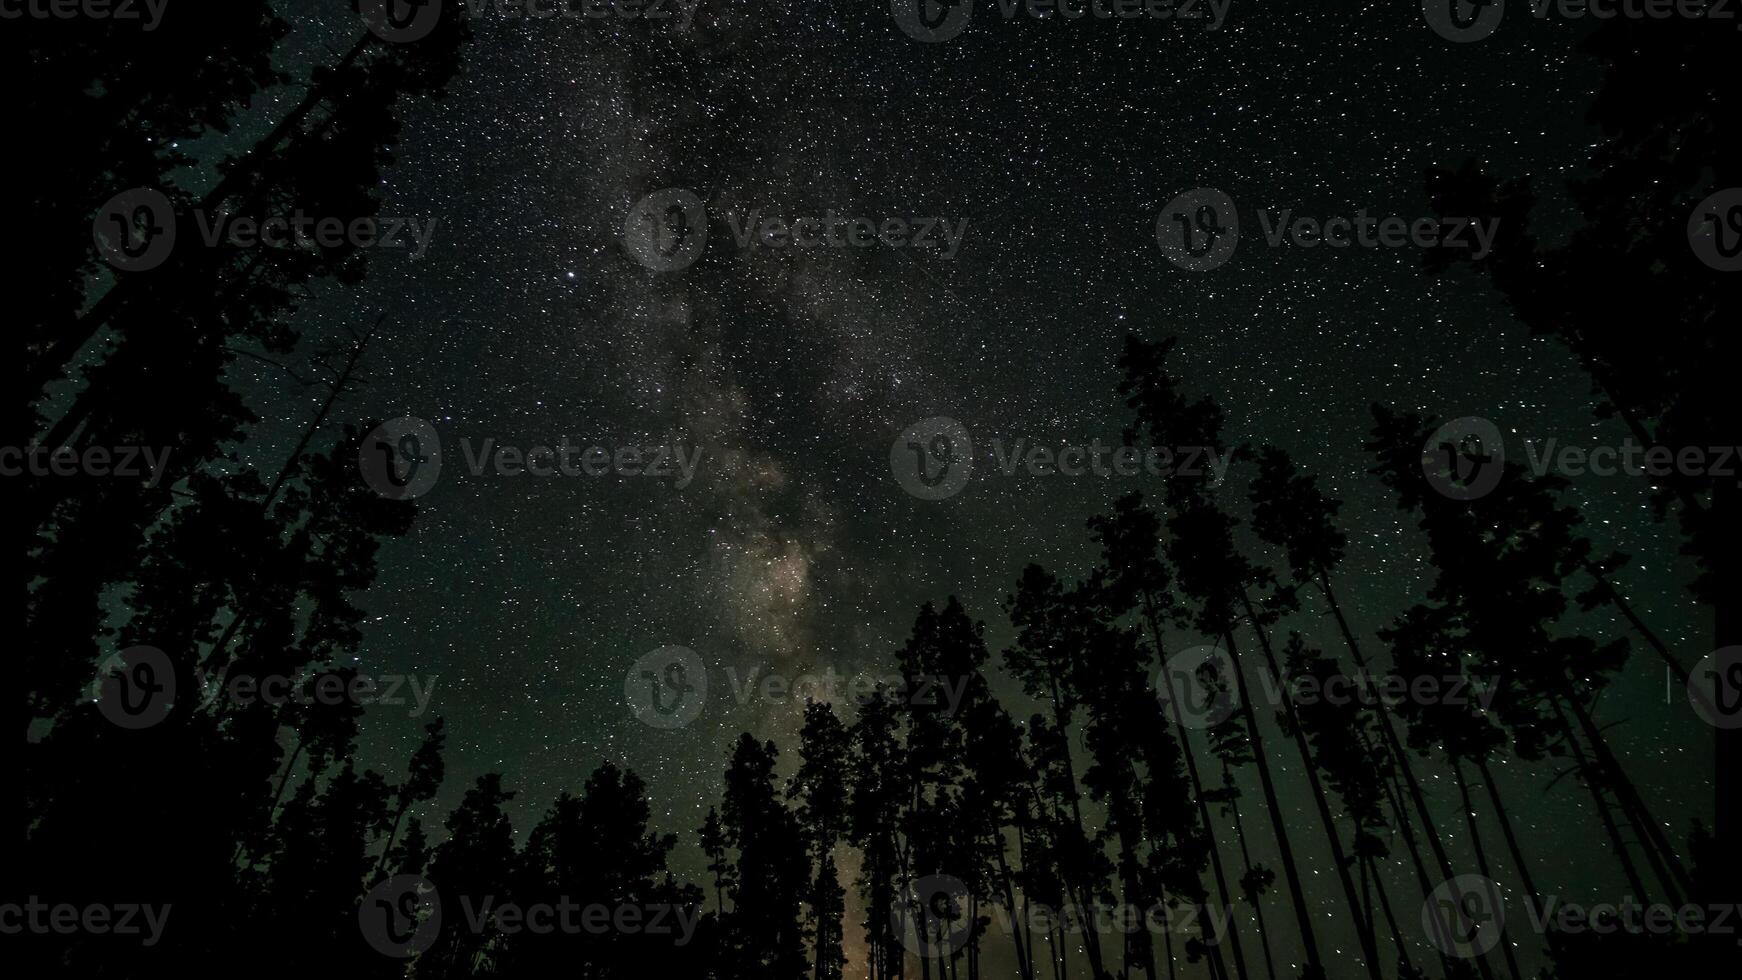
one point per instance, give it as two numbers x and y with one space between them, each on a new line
794 370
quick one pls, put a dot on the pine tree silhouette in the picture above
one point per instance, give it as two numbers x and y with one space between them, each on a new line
1134 577
1666 104
763 933
818 792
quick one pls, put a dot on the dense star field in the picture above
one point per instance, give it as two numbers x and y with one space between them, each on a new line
701 353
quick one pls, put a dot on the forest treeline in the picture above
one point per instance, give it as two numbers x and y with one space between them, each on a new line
279 852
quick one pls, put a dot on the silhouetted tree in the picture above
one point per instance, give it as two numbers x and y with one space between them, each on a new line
1665 108
818 792
763 933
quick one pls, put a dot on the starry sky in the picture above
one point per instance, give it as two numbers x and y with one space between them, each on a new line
793 370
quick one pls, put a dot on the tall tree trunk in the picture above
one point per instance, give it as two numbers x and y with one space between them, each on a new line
1023 969
1138 944
1246 861
214 657
1397 940
1482 859
1028 942
1654 842
1594 784
1214 951
278 794
1506 831
1363 921
1285 849
1083 897
1400 754
1613 596
1167 944
392 832
1726 876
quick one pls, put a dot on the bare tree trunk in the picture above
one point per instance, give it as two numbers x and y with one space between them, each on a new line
1214 951
1593 783
1291 873
1658 851
1482 859
1092 942
1363 921
1023 969
1506 831
1390 917
1246 860
1400 754
1614 597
